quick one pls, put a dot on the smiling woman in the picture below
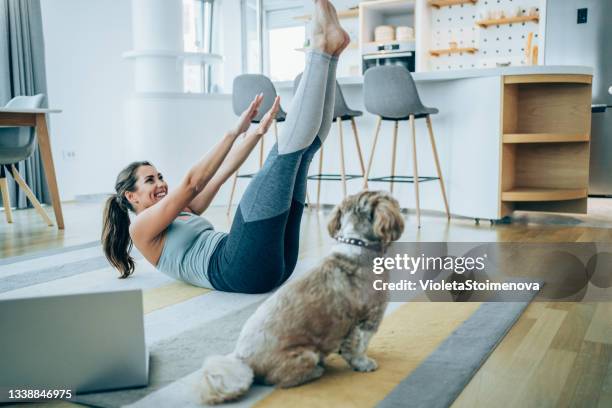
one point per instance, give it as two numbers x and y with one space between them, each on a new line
260 251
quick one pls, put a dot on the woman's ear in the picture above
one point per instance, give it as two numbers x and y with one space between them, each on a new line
131 197
388 224
335 222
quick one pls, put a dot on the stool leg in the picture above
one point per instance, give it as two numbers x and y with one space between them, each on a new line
356 135
261 152
376 132
415 171
394 150
6 199
229 205
342 169
320 173
31 196
437 161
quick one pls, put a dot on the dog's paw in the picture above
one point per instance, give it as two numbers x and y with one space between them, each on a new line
364 364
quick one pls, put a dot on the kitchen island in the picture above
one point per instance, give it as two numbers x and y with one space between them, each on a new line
512 138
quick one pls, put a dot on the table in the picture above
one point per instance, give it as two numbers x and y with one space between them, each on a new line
37 118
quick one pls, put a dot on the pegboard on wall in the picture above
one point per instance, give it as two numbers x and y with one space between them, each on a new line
496 44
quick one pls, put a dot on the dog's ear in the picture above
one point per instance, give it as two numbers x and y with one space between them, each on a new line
336 221
388 223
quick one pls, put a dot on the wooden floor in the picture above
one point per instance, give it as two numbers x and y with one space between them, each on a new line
557 354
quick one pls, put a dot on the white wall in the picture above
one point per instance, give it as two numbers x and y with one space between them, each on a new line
88 79
175 131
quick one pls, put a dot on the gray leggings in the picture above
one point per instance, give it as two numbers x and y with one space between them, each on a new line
261 250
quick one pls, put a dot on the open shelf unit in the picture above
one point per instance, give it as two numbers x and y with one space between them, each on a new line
437 53
445 3
507 20
545 143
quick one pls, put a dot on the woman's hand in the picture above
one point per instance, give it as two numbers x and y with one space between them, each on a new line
269 117
247 116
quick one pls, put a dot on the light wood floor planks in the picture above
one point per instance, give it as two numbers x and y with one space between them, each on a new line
556 355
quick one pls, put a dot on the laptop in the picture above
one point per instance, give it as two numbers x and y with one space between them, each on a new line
82 342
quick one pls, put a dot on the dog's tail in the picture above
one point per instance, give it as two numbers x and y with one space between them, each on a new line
225 378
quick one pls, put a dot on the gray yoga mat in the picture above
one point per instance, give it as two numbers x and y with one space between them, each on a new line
439 380
37 276
48 252
436 383
177 357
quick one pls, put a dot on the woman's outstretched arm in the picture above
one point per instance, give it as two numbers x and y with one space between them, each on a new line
151 222
236 157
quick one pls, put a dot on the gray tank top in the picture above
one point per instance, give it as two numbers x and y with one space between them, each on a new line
189 244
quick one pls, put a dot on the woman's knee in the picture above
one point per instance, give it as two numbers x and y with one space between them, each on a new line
255 279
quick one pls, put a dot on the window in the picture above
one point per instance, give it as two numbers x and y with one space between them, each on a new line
198 33
251 42
285 60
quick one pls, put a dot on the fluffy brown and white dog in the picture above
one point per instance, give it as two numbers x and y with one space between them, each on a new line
333 308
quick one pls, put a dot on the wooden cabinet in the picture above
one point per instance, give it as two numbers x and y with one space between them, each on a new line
546 122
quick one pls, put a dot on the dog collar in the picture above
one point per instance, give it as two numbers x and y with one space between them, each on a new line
359 242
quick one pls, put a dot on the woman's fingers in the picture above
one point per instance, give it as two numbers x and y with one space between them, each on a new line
254 107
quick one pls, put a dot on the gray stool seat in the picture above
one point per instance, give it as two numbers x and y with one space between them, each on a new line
18 143
245 88
390 93
425 113
342 112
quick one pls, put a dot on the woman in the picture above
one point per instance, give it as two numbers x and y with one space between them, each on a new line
260 251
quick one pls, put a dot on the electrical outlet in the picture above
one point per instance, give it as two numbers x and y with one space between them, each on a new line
68 154
582 16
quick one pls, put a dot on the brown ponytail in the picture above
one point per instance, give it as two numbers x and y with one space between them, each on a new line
116 240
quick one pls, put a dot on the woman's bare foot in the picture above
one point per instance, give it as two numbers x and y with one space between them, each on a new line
327 33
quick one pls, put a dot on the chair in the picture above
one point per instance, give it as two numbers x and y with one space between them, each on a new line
391 94
245 88
341 113
17 144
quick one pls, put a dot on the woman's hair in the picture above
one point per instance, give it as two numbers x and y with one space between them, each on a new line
116 239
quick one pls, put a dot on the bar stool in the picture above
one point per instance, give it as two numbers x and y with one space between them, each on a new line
341 113
245 88
390 93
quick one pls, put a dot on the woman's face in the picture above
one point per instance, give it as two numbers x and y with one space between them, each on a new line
150 188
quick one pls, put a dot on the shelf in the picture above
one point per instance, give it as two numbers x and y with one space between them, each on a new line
507 20
437 53
350 13
543 194
444 3
548 79
510 138
352 46
370 43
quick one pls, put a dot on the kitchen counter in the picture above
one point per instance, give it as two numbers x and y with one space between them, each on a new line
471 73
510 138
